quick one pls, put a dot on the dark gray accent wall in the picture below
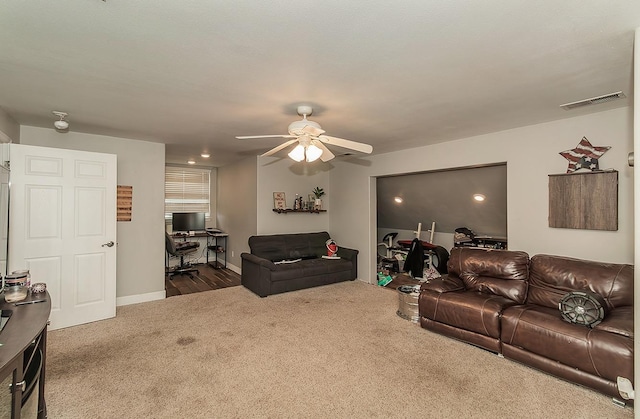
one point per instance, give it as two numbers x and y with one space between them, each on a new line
446 197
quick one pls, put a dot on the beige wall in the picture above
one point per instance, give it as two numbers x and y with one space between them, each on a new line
531 154
140 256
237 212
285 175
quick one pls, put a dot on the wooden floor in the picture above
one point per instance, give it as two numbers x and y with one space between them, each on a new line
206 279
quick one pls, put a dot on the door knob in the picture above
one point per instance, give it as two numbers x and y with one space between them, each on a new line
108 244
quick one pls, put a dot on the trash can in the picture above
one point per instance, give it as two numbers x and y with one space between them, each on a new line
408 302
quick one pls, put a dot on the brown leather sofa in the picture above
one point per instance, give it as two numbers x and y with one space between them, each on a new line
507 303
265 273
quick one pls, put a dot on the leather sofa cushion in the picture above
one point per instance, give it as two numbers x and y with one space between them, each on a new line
553 276
620 321
278 247
499 272
469 310
542 331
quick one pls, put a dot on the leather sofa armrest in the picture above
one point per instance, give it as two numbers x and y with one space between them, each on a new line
258 261
351 255
443 284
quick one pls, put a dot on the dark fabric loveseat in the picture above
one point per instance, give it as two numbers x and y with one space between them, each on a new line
509 304
265 270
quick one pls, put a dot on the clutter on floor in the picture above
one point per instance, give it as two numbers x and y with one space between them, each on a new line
423 260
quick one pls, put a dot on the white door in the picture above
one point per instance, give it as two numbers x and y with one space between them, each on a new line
62 227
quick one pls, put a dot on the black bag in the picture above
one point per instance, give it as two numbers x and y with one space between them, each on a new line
415 259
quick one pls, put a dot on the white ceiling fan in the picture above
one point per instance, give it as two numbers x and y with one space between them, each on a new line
311 140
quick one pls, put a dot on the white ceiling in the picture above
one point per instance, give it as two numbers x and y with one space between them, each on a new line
396 75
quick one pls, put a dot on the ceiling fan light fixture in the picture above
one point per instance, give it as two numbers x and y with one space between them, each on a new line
313 153
296 127
297 153
311 138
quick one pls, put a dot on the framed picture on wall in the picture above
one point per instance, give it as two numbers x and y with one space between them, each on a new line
279 201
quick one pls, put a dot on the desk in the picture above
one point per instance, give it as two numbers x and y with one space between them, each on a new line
18 357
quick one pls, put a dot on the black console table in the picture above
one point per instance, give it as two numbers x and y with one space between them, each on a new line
23 356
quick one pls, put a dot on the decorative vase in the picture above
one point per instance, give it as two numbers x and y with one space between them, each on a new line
317 204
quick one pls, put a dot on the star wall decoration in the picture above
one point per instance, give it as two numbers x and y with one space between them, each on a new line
584 156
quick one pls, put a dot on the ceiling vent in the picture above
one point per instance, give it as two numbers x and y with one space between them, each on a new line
594 100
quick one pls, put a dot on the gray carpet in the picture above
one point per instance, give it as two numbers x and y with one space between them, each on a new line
333 351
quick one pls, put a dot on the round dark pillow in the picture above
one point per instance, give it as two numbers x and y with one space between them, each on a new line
583 307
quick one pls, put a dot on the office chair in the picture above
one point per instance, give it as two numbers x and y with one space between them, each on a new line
179 249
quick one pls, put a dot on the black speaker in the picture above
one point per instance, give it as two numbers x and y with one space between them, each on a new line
583 307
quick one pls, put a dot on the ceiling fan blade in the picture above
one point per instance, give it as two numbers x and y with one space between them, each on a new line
248 137
341 142
278 148
326 153
314 131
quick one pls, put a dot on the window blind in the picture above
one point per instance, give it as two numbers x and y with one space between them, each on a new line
186 190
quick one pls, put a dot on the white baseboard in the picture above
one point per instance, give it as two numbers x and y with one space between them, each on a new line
141 298
234 268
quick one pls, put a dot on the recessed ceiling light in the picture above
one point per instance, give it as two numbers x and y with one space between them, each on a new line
205 155
191 162
479 197
398 199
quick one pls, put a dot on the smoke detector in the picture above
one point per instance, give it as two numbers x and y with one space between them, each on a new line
61 124
594 100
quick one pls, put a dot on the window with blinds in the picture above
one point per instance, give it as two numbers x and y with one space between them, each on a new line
186 190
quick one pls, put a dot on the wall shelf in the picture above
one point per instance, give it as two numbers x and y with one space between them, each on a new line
286 211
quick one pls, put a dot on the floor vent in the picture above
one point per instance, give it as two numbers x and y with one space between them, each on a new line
594 100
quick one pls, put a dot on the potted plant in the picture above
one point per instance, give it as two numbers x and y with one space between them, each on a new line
318 192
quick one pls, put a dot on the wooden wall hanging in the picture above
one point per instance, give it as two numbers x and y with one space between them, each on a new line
125 198
584 200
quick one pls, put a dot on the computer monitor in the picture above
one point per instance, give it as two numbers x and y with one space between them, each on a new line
187 221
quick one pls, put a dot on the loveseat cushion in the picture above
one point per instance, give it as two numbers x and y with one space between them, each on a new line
541 330
499 272
470 310
554 276
308 268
